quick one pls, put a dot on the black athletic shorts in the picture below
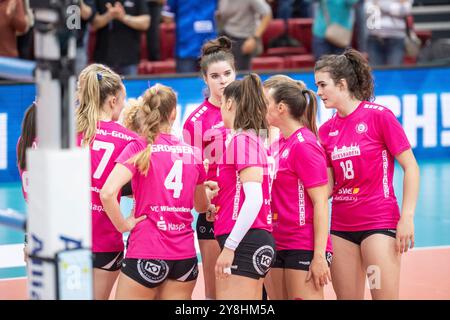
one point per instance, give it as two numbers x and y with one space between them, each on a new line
358 236
205 229
255 254
297 259
109 261
151 273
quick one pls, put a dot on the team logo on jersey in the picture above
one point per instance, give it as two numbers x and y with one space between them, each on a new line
361 127
300 137
285 154
262 259
153 271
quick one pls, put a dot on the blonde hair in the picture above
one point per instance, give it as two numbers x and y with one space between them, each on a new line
281 78
130 118
97 83
158 103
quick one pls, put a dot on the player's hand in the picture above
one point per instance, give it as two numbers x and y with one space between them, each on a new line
319 272
405 234
131 222
223 263
212 188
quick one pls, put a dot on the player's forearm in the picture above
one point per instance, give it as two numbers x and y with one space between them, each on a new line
410 190
112 209
320 227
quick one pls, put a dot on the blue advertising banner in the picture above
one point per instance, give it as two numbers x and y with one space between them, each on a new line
419 97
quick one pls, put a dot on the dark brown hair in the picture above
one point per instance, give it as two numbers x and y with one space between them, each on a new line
354 68
215 51
300 101
251 106
27 136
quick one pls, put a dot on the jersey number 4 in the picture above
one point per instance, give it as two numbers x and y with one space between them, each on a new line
173 179
109 148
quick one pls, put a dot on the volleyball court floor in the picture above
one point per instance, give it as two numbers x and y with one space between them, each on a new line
425 270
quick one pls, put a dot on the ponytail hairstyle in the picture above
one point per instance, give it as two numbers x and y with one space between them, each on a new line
301 102
27 136
251 106
158 103
354 68
97 83
216 50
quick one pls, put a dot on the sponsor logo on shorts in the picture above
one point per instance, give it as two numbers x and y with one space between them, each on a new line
202 229
392 231
262 259
154 271
305 263
329 257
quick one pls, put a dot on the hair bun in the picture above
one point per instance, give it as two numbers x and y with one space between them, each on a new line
220 44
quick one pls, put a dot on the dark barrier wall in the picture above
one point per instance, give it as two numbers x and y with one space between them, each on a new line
420 98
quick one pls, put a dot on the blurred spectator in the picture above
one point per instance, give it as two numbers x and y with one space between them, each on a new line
387 30
302 9
155 9
244 22
12 20
327 12
118 38
25 39
87 12
194 20
361 26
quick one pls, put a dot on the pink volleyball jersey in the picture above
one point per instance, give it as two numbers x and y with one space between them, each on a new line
361 148
204 129
110 139
166 197
244 150
24 173
301 164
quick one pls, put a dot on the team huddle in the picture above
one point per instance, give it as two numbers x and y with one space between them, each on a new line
259 172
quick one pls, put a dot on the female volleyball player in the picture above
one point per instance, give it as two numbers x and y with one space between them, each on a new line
205 125
361 141
299 196
243 220
101 99
167 178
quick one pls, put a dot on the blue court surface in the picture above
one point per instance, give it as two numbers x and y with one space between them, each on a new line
432 219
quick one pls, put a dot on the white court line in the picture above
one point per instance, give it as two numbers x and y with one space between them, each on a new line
11 255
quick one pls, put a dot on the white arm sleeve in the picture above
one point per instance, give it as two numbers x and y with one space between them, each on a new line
247 215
